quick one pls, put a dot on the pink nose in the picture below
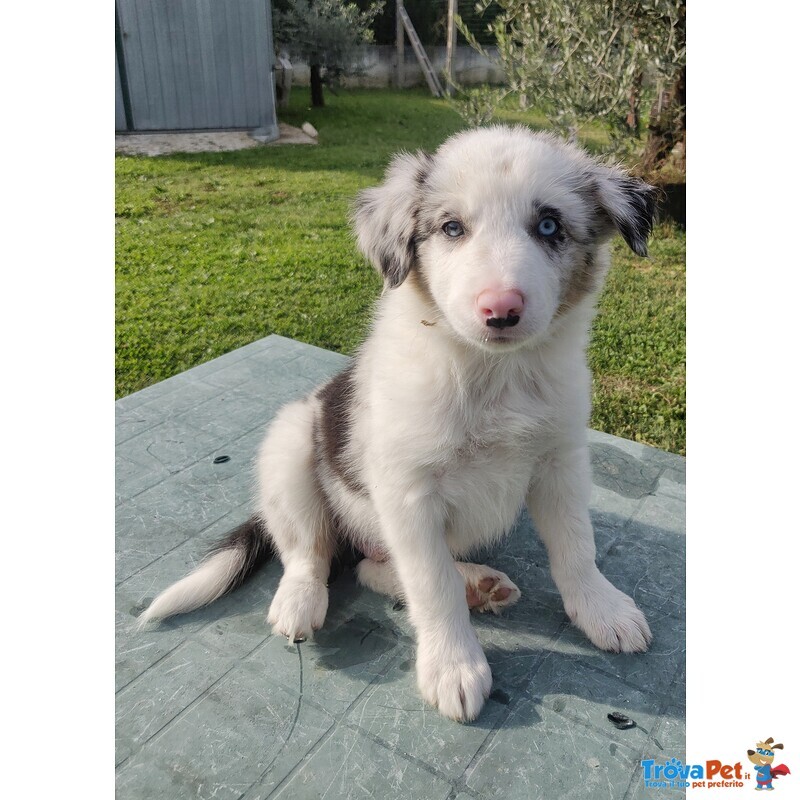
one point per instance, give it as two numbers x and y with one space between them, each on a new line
500 305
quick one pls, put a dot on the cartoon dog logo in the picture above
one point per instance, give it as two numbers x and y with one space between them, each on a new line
762 757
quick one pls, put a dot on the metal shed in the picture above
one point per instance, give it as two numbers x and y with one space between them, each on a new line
195 65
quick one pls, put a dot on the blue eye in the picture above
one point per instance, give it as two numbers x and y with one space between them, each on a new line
547 227
453 229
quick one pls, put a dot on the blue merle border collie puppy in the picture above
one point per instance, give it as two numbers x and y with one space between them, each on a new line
469 398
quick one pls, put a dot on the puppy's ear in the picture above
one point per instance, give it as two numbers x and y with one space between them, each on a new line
630 204
385 217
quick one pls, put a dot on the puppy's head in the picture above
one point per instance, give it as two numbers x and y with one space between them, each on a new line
506 230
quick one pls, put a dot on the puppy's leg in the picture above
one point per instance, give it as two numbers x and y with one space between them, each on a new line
452 671
558 502
487 589
293 507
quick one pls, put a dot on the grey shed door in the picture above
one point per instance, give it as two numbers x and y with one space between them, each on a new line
194 64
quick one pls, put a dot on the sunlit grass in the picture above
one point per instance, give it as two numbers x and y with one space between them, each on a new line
216 250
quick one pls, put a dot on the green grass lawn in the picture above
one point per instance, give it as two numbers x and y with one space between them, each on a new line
215 250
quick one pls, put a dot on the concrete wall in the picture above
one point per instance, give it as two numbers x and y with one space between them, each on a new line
469 66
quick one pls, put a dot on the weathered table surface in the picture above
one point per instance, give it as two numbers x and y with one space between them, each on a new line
211 705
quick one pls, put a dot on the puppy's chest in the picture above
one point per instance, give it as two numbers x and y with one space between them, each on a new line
499 432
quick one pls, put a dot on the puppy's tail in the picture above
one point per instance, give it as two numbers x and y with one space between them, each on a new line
228 564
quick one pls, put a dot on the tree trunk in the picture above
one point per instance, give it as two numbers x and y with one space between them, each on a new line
667 127
633 119
317 100
634 93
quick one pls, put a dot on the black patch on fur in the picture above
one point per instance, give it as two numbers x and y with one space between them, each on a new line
252 540
399 255
398 263
334 426
411 249
636 229
394 270
424 169
634 222
396 254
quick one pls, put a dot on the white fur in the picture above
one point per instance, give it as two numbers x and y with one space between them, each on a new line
203 586
453 426
452 431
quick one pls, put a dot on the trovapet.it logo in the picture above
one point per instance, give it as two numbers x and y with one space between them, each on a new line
674 774
716 774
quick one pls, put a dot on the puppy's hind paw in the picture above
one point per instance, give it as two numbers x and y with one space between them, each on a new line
488 589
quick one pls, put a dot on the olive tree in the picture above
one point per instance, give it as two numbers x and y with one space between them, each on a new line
325 34
585 60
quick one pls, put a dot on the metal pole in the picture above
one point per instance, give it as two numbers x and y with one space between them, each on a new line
452 10
400 58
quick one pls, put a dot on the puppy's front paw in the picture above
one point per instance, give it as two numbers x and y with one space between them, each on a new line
453 675
299 607
608 617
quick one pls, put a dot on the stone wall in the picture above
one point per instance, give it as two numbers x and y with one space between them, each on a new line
469 66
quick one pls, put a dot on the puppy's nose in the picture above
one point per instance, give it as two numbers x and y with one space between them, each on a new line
500 309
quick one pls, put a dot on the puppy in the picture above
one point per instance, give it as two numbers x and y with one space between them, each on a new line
470 397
